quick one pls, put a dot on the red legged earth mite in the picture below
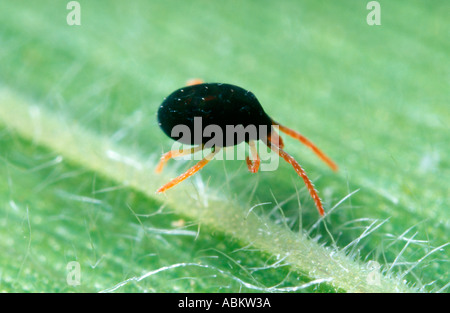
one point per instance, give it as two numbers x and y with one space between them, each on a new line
221 105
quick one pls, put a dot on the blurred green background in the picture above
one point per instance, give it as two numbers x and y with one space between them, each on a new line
374 98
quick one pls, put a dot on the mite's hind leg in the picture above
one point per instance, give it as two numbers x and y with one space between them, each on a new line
173 154
301 173
190 171
275 139
308 143
253 165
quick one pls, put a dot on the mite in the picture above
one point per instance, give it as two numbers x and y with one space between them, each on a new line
221 105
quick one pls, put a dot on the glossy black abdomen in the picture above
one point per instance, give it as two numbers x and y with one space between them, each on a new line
200 114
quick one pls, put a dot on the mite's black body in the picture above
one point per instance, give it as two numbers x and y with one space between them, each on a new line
216 104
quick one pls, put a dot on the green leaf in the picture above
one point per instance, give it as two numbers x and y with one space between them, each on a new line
79 143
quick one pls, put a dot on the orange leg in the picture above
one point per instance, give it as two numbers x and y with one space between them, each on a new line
173 154
276 139
253 165
309 144
194 81
189 172
301 172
